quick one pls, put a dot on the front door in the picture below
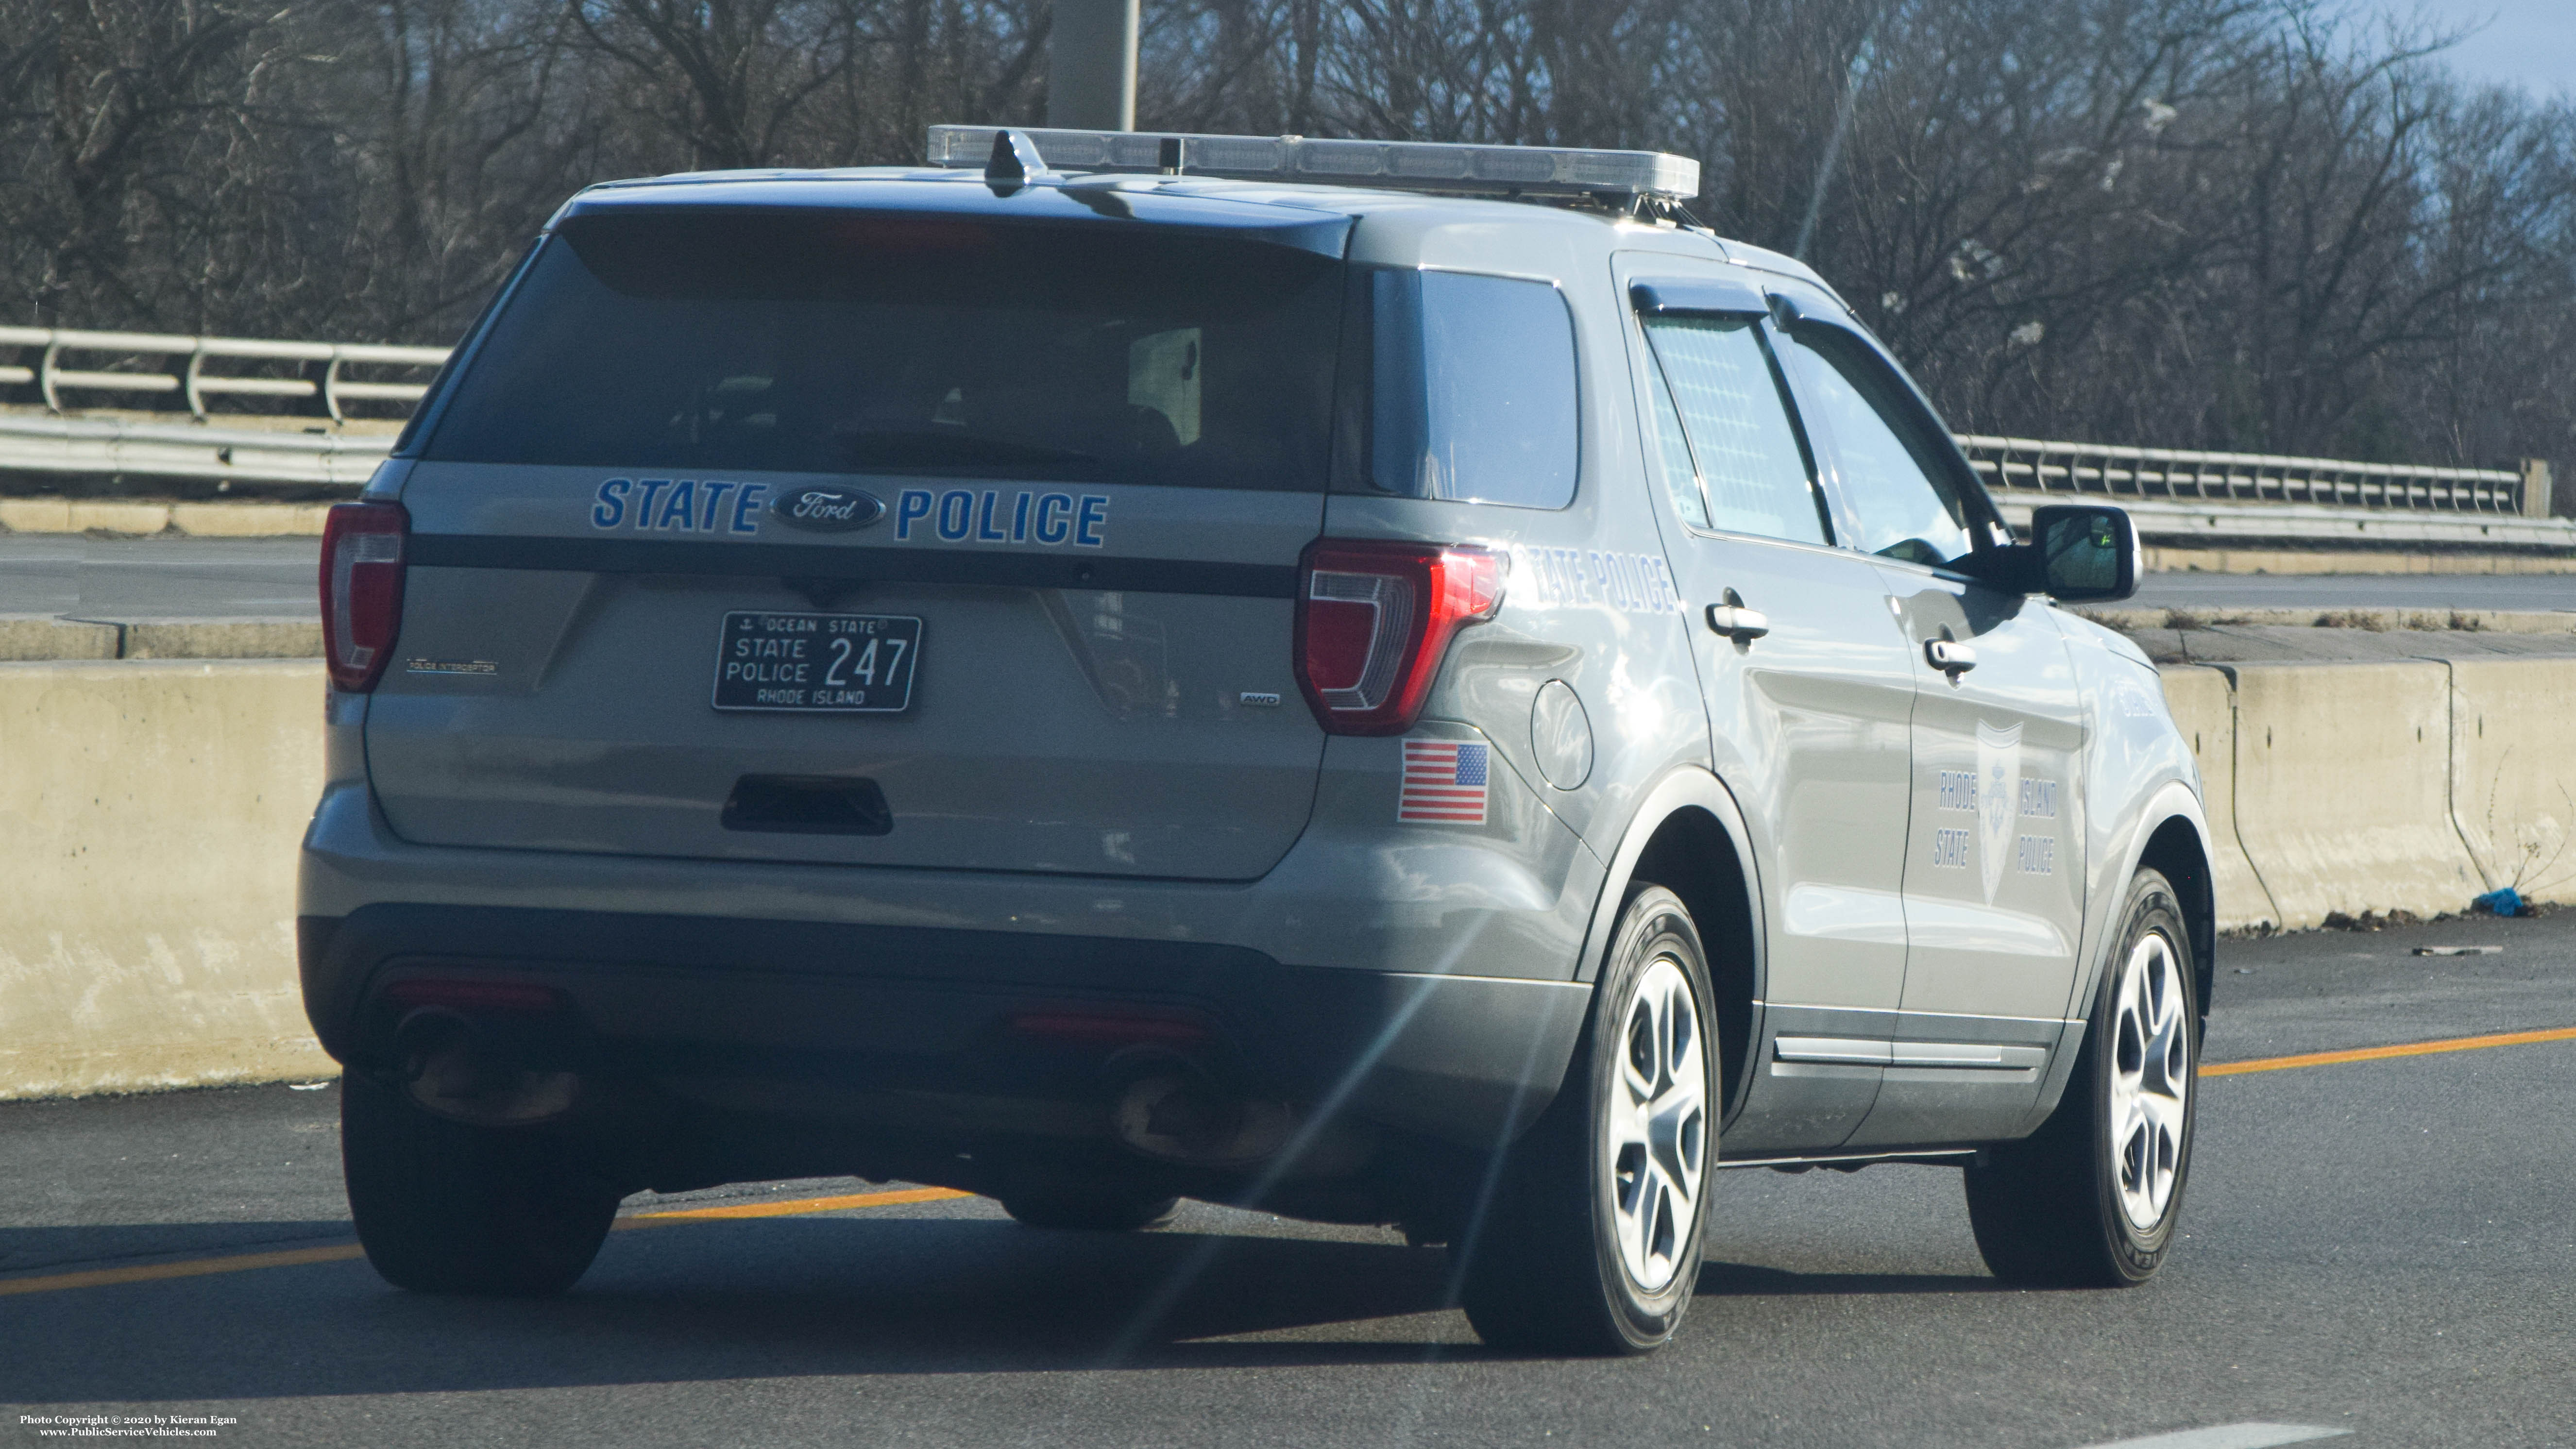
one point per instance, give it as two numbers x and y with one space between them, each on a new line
1809 694
1994 904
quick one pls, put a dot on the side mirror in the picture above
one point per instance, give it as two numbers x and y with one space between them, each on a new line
2087 551
2078 552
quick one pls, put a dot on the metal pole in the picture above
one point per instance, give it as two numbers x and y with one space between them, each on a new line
1091 65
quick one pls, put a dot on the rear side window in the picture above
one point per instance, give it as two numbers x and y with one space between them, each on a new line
854 342
1472 384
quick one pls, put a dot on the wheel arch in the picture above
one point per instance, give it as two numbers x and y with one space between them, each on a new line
1688 837
2176 848
2170 834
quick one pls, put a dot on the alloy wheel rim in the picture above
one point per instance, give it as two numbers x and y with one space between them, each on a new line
2151 1074
1655 1133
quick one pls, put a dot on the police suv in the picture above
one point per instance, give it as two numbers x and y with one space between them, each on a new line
1398 683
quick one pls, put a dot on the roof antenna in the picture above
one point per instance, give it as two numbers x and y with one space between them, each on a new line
1167 156
1015 162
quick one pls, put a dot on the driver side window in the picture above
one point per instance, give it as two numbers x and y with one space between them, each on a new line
1904 502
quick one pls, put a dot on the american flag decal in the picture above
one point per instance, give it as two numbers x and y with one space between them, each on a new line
1444 783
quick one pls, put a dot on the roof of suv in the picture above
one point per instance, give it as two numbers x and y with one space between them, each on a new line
1213 203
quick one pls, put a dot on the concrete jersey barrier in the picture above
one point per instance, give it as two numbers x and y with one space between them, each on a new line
48 636
148 818
149 814
2513 771
2343 788
2203 701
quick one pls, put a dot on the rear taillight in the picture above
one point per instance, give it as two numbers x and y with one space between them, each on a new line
1374 621
362 589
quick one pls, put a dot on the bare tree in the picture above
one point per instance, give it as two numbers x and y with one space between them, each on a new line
2234 223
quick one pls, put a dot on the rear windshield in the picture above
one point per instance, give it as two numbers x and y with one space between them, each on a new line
850 342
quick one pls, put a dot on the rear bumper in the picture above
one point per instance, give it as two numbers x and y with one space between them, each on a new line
1437 998
801 1015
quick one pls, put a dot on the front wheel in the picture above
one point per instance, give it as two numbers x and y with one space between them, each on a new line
1593 1241
2090 1199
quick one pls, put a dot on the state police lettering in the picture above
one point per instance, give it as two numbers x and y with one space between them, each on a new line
960 515
682 505
2037 800
1632 583
773 660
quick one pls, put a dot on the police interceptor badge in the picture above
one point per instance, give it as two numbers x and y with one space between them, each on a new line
817 663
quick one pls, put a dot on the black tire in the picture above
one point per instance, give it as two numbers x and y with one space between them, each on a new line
2060 1208
442 1207
1095 1212
1550 1271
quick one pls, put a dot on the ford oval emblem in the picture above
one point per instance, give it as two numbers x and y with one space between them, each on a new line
820 509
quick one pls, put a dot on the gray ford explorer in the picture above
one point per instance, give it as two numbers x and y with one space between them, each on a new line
1397 683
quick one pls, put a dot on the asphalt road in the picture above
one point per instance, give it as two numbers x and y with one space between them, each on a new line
158 577
237 578
2383 1246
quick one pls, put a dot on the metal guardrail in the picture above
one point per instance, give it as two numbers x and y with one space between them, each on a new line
2173 493
2189 523
2031 465
194 382
35 443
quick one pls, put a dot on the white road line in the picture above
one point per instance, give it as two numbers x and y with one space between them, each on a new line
2231 1436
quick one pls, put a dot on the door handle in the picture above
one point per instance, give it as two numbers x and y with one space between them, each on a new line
1950 657
1737 622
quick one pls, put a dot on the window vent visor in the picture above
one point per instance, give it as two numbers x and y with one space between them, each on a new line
1374 622
362 590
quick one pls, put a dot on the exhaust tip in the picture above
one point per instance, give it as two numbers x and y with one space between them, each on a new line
1177 1118
453 1068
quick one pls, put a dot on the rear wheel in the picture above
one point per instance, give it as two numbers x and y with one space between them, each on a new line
2090 1199
442 1207
1089 1211
1593 1242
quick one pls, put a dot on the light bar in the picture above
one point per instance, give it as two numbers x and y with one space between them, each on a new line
1414 165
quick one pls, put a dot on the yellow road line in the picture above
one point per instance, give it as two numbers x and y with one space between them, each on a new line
2372 1054
797 1207
193 1268
342 1252
791 1208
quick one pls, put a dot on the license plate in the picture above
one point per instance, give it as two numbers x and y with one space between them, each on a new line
818 663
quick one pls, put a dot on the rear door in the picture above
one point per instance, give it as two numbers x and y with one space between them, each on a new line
1808 706
840 536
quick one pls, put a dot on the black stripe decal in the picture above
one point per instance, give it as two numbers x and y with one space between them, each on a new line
875 565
